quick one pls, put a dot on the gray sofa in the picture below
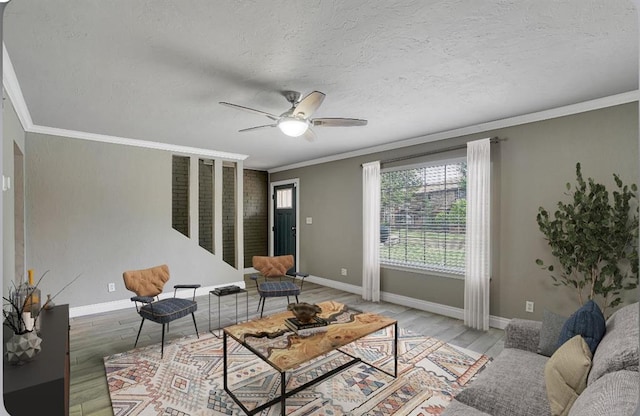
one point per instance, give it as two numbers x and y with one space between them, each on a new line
514 383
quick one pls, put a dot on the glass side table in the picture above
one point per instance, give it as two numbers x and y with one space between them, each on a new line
217 331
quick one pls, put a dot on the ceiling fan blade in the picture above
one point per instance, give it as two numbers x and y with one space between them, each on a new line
338 122
309 135
309 104
251 110
258 127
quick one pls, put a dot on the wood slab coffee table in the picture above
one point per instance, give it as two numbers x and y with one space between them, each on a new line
284 350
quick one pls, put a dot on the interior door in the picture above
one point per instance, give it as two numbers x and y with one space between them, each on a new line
284 221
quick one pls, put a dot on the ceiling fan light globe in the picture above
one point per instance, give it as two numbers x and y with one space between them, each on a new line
293 127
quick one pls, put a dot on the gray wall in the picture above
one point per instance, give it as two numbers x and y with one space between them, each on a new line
530 169
99 209
12 133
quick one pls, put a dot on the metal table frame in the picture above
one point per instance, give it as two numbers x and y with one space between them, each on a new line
219 295
283 391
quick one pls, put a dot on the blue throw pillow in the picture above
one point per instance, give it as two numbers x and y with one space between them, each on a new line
587 321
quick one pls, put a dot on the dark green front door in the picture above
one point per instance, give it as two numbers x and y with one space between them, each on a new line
284 228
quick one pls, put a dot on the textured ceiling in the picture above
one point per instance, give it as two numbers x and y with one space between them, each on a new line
156 69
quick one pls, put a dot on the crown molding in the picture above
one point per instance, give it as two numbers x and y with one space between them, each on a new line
599 103
13 90
136 143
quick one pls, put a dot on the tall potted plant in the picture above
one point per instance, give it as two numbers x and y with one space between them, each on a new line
594 240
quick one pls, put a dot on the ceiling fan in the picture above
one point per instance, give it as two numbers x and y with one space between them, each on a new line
297 120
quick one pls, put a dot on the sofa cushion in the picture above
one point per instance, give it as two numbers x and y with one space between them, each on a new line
512 385
618 350
565 374
460 409
587 321
552 324
614 394
523 334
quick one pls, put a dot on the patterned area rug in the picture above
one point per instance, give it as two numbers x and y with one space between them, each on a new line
188 381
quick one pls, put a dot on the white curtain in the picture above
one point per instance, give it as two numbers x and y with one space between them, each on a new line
477 274
371 231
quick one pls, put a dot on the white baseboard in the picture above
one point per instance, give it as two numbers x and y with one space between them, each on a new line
126 303
423 305
498 322
335 284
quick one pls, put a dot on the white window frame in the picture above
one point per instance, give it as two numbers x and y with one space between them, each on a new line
426 270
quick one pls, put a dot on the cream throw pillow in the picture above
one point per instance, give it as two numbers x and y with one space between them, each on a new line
565 374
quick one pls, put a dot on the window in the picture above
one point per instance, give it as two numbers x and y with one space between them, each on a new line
423 217
284 198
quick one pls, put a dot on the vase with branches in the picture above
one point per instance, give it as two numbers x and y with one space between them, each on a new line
18 305
21 313
594 239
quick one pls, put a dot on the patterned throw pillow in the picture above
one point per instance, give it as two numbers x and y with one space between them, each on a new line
565 374
587 321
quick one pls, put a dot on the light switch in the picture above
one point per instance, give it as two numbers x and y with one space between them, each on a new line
309 220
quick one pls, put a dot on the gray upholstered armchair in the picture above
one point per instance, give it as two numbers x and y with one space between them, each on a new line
147 284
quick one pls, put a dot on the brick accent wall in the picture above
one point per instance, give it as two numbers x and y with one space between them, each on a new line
205 204
180 193
229 215
256 214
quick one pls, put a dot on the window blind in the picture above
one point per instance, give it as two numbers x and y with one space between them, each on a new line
423 217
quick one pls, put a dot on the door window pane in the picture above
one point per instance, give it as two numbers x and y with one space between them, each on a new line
284 198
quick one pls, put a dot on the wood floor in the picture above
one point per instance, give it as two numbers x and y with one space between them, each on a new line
96 336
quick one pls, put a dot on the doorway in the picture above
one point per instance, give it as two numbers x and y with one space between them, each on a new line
284 220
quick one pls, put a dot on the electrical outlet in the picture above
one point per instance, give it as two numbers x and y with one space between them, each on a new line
309 220
112 287
343 272
528 306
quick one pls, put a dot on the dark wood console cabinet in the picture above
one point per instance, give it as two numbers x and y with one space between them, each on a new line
41 386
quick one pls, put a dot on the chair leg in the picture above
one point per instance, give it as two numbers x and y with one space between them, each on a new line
162 345
195 325
297 301
259 301
134 345
263 302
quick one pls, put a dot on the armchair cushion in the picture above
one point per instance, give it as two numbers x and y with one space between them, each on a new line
277 289
167 310
272 266
147 282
